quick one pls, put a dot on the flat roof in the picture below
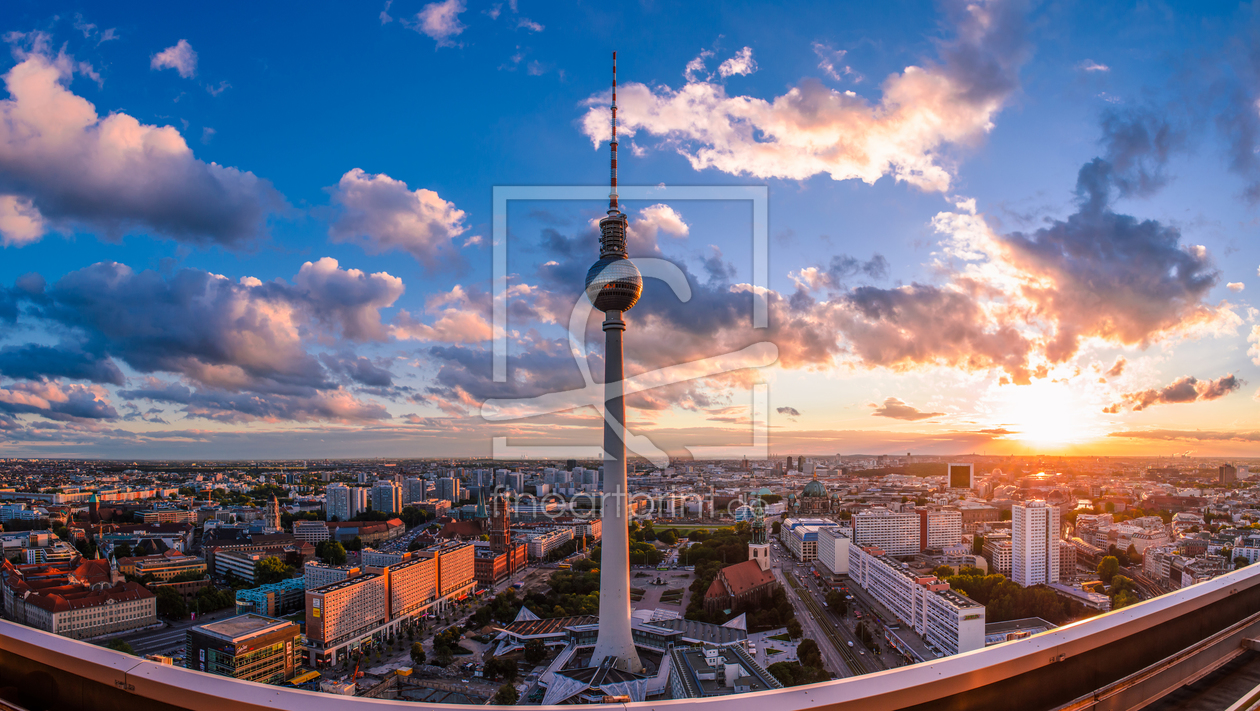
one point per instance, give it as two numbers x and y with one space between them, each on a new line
241 627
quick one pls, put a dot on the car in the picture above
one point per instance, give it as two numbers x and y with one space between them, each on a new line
850 643
861 651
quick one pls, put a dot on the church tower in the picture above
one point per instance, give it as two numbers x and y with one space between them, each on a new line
273 514
759 546
500 529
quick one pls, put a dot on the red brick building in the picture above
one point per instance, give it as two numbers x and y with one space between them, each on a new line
740 587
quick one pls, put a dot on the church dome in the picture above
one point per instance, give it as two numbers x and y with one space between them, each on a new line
814 488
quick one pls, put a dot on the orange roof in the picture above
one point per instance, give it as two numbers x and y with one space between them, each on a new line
745 576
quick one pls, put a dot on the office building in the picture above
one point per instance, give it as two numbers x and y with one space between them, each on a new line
238 564
544 542
1067 561
1034 543
894 533
962 476
311 532
79 599
948 621
386 497
342 611
701 672
317 575
163 567
997 550
800 536
274 600
247 647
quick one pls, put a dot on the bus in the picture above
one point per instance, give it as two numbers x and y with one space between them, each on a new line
564 566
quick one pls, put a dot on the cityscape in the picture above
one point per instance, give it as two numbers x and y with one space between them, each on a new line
901 359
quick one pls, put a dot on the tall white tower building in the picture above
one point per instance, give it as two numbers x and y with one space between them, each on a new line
613 285
1034 543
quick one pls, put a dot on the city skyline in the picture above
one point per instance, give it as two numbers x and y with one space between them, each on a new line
993 228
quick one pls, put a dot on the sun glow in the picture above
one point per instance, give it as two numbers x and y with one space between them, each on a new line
1046 413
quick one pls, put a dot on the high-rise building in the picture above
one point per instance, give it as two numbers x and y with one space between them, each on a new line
939 529
962 476
337 502
1034 543
1228 474
386 496
448 490
414 491
248 647
894 533
339 611
613 284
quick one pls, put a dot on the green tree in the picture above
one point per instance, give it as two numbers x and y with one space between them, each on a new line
507 695
977 545
794 628
356 544
1108 568
836 603
776 527
943 571
334 553
121 550
270 570
669 537
417 653
1123 600
500 667
1241 562
120 646
535 651
809 654
170 604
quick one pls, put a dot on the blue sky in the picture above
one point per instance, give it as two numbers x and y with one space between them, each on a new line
264 231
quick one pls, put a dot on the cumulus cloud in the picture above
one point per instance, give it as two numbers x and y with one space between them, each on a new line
459 320
181 57
224 405
896 409
1184 389
348 299
34 361
649 224
1254 340
742 64
838 271
20 222
440 21
57 401
813 129
382 214
1234 286
62 165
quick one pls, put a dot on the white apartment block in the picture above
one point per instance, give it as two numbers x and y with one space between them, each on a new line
345 502
833 551
998 552
940 529
541 544
945 619
318 575
1034 543
894 533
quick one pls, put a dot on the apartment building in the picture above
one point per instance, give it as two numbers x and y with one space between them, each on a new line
1034 543
950 622
311 532
544 542
247 647
894 533
939 529
833 552
800 536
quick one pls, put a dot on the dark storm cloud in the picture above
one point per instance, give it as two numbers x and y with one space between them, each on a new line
920 324
33 361
225 406
1136 146
789 411
1103 274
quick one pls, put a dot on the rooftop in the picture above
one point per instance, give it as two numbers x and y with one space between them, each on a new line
242 627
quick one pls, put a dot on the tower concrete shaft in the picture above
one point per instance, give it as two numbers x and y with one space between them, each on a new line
615 639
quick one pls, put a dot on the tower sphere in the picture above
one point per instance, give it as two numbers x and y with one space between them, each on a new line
614 284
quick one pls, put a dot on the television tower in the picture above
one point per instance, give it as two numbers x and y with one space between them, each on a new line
614 284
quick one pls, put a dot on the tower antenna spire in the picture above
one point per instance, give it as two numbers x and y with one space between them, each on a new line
612 196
